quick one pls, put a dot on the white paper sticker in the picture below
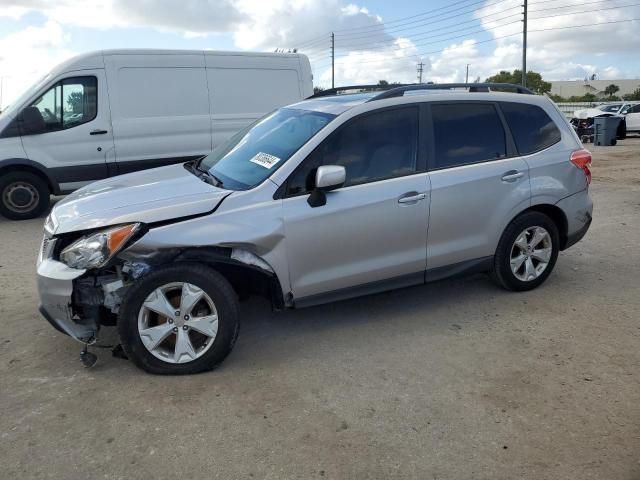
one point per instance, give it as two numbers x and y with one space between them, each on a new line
265 160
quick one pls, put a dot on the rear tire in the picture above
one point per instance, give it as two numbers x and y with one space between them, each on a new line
526 253
23 195
205 350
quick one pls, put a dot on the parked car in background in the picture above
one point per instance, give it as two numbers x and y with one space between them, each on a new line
582 120
333 197
632 119
112 112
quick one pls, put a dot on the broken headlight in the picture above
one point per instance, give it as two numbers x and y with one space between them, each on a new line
97 249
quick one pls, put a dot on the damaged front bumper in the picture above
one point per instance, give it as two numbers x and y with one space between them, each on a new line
55 287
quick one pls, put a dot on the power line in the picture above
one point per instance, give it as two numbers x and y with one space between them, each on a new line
483 30
422 54
422 44
431 21
316 40
385 24
439 35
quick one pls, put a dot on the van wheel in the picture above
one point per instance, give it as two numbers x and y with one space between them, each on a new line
23 195
180 319
527 252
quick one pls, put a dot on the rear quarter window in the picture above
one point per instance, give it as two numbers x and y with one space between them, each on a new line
532 129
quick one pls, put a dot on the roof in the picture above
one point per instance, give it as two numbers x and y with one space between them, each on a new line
338 104
335 104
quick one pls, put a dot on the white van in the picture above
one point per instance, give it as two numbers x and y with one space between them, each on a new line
111 112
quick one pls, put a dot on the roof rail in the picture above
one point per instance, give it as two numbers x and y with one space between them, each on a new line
473 87
337 90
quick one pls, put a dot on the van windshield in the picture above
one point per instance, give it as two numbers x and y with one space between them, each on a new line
254 153
17 103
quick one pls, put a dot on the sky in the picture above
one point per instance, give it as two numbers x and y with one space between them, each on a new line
374 39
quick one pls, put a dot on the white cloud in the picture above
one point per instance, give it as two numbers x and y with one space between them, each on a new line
26 55
367 54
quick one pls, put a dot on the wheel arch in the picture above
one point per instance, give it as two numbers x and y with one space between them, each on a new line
556 214
246 272
26 165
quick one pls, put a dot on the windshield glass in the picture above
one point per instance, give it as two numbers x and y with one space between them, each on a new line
610 108
254 153
10 109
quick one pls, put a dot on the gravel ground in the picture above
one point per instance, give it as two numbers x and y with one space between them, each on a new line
454 380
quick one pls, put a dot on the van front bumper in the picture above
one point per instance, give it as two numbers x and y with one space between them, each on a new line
55 288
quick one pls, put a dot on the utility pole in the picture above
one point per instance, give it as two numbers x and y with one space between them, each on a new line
333 60
524 46
467 77
420 69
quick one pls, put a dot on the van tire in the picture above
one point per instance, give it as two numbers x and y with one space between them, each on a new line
23 195
212 284
502 273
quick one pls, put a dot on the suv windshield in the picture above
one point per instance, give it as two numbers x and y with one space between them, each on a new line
610 108
256 152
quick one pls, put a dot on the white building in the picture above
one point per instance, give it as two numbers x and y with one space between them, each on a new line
578 88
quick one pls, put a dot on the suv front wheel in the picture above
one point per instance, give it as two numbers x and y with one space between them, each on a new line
180 319
527 252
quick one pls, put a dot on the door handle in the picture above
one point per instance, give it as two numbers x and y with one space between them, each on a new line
97 132
512 176
412 198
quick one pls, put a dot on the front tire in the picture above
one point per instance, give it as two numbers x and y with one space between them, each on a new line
527 252
180 319
23 195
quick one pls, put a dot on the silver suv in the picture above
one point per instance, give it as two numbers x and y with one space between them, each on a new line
336 196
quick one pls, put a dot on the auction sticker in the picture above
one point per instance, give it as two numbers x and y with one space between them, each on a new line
265 160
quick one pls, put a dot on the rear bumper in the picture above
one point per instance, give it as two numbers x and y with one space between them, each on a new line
55 287
575 237
578 210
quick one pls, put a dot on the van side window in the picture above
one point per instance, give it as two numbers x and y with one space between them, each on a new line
467 133
69 103
375 146
531 127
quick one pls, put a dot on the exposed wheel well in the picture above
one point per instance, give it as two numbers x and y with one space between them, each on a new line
557 215
27 168
245 279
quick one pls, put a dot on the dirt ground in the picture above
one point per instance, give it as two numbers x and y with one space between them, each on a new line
453 380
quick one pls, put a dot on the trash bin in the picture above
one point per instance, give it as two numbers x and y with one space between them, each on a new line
605 130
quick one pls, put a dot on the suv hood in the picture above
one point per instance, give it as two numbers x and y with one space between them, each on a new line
148 196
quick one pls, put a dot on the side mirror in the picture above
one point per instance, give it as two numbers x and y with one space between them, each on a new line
31 121
328 177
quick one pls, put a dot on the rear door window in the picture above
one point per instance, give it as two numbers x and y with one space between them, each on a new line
531 127
466 133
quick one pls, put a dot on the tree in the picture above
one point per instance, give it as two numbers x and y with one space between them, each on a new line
557 98
635 95
318 89
75 101
383 83
611 90
534 80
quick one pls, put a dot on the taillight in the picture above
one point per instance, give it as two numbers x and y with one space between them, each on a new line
582 160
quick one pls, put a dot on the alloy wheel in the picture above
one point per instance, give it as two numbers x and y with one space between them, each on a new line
178 322
531 253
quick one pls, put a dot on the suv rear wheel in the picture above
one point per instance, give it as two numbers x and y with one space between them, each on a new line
527 252
23 195
180 319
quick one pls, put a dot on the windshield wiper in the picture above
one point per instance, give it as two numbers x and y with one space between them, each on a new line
204 175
